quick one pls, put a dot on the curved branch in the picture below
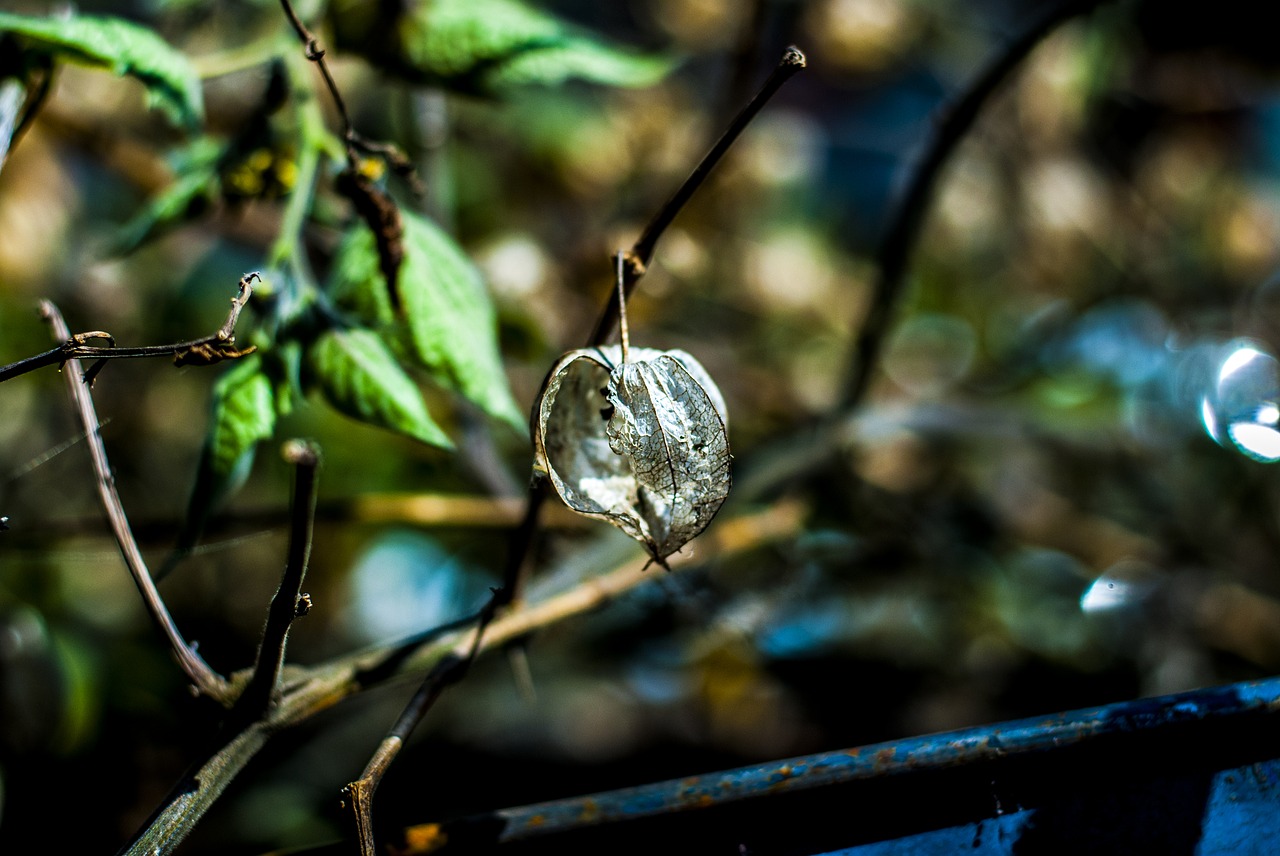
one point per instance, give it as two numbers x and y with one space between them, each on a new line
908 217
205 679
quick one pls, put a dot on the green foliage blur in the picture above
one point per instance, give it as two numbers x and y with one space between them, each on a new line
1028 512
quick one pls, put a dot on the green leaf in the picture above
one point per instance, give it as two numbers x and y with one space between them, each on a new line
580 59
488 46
452 327
243 415
358 375
123 47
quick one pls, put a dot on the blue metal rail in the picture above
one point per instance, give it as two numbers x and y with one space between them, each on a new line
1193 772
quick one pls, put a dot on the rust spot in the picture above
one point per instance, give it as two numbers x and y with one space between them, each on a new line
705 800
884 757
424 838
537 820
590 810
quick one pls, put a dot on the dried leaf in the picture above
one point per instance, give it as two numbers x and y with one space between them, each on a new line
643 444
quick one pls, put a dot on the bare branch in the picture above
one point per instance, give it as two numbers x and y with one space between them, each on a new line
908 217
288 600
205 679
634 263
373 205
203 351
641 253
314 689
448 671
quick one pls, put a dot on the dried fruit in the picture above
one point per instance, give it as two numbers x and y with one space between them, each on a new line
642 444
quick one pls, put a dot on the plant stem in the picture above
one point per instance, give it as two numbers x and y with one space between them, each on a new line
317 688
205 679
903 231
311 133
641 253
257 696
207 349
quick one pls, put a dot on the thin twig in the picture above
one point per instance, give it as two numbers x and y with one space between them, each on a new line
448 671
904 226
203 351
641 253
204 678
811 447
317 688
315 54
374 206
353 140
288 601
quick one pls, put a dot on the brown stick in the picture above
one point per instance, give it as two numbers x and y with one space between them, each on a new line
204 678
203 351
287 604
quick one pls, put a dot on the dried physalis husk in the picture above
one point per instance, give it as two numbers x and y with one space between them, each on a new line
643 444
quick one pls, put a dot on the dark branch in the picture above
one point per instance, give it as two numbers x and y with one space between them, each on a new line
635 263
288 602
373 205
203 351
641 253
634 266
447 672
904 227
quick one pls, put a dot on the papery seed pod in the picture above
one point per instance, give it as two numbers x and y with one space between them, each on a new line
643 444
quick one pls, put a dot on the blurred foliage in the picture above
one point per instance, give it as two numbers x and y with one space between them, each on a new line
1028 513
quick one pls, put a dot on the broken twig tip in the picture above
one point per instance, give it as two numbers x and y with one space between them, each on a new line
301 453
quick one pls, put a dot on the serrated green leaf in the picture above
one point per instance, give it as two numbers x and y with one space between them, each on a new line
244 414
123 47
488 46
358 375
452 327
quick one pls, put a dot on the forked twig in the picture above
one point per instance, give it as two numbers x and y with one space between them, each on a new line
451 669
203 351
396 159
205 679
289 602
